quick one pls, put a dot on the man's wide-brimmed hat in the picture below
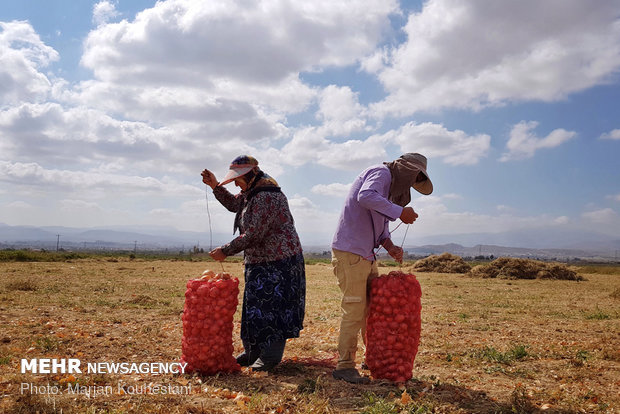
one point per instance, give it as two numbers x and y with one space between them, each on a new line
238 167
419 162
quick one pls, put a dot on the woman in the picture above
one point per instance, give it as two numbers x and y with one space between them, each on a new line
275 279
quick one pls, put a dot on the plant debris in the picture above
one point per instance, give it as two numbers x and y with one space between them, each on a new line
512 268
443 263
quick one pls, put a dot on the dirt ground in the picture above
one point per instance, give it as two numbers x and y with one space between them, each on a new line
487 345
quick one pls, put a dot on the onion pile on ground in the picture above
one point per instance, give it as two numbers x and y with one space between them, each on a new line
393 326
210 304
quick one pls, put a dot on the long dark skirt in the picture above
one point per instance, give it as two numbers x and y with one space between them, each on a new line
274 301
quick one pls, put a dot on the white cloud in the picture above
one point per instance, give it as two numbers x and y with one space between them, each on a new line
229 58
503 208
468 54
80 206
225 104
80 137
19 205
75 136
314 225
310 145
523 143
221 71
615 197
340 111
299 203
332 190
613 134
20 212
435 218
435 141
22 56
103 12
192 216
34 176
189 85
376 61
601 216
200 38
67 212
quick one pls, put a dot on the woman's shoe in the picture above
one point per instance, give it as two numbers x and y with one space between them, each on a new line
261 365
245 360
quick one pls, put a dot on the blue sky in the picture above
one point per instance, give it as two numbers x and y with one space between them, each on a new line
109 110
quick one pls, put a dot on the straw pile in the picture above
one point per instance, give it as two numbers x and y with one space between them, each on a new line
510 268
443 263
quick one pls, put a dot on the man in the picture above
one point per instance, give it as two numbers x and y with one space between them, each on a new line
378 195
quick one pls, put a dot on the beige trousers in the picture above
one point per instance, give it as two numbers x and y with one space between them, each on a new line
354 274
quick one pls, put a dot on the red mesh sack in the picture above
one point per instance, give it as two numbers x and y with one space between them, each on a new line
210 304
393 326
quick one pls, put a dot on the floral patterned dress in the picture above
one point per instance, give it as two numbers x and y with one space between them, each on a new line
275 279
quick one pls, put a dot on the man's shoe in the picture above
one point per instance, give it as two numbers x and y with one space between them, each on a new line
261 365
350 375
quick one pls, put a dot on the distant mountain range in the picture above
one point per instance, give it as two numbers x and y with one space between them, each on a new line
494 251
543 243
547 243
538 238
118 237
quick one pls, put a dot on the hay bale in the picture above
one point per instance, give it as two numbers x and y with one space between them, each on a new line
443 263
511 268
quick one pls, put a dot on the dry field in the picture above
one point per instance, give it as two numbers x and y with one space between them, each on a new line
487 346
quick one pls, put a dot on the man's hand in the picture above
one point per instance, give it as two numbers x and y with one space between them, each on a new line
396 253
408 216
209 178
217 254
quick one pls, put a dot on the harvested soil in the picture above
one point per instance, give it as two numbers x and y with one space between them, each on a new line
486 346
443 263
512 268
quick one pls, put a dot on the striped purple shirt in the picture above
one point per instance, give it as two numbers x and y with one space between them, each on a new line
363 223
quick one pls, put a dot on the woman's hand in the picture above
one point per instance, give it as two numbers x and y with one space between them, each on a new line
217 254
209 178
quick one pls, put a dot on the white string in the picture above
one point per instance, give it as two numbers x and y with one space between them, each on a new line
401 245
395 228
405 236
209 215
210 229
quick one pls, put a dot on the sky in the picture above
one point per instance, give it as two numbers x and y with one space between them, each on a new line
109 110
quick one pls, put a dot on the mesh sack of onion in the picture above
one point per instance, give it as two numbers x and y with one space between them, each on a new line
210 304
393 326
